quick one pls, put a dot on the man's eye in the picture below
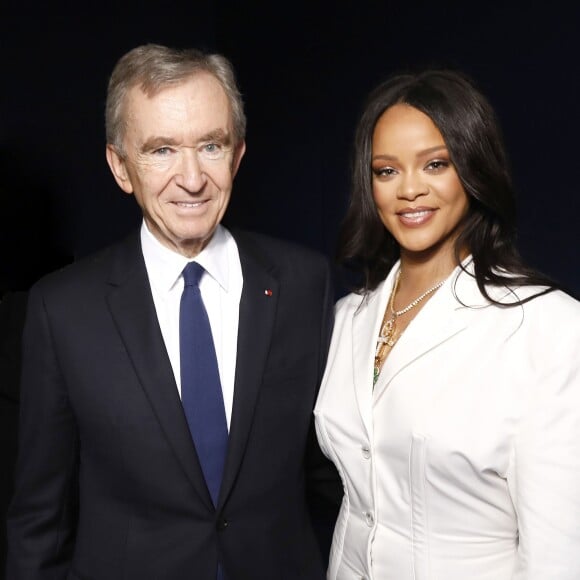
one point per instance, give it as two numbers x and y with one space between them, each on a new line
162 151
212 150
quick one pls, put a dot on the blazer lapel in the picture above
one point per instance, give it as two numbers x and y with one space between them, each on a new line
133 310
440 319
366 324
257 313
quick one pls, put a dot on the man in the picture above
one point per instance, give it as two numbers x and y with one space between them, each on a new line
110 479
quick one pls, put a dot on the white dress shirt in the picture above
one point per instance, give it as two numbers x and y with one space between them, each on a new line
221 290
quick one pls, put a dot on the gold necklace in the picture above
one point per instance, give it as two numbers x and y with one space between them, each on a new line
387 337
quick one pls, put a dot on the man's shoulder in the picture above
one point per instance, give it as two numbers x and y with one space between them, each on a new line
274 247
94 265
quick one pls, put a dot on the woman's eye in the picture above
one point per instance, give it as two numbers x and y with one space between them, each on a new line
437 164
384 171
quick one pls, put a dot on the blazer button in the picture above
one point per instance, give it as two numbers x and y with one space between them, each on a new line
222 524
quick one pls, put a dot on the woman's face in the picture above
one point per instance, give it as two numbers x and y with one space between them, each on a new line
418 194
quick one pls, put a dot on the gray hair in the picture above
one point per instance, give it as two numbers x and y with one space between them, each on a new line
154 67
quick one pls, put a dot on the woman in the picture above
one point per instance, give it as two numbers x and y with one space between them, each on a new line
451 399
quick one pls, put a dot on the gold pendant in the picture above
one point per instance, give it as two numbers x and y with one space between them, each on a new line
387 334
386 338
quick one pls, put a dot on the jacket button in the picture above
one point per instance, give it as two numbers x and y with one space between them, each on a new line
369 519
366 452
222 524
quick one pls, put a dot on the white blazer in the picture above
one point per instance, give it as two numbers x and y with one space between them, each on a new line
463 463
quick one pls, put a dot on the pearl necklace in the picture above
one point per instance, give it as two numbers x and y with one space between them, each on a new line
386 338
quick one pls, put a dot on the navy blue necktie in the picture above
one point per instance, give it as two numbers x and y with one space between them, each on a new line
201 391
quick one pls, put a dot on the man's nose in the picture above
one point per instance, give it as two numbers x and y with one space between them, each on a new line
189 173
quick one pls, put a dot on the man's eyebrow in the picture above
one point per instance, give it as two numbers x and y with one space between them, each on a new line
217 135
156 142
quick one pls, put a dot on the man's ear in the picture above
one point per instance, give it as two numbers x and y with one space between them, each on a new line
118 169
238 154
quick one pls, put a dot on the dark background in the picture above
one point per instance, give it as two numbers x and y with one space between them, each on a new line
304 69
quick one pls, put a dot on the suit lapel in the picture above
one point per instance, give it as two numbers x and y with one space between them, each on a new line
133 310
257 314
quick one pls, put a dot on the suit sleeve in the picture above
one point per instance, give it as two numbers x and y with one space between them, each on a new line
545 475
324 487
42 515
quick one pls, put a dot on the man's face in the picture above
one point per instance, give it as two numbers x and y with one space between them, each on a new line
180 160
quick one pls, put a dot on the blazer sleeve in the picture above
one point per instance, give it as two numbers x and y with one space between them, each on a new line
545 475
42 514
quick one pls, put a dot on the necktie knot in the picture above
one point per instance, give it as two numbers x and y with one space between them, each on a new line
192 274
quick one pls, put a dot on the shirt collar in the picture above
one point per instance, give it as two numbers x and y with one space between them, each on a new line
164 266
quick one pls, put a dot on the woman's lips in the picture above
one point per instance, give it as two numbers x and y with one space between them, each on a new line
415 217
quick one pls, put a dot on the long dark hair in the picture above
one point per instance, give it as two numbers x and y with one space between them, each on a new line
474 139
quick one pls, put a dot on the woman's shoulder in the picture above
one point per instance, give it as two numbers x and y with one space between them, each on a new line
510 292
555 303
549 317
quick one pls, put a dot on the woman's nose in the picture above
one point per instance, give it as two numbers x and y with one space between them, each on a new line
412 186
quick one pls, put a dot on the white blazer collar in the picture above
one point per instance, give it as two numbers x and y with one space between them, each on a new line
447 313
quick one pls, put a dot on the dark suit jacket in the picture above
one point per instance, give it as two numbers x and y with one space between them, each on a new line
108 483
